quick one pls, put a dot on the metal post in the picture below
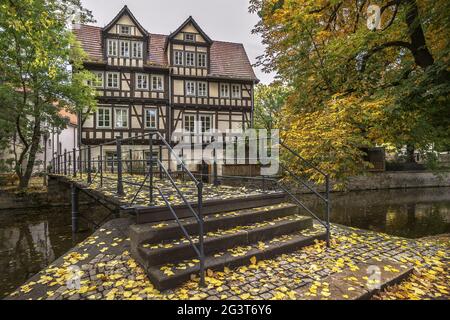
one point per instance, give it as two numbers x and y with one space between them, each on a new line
74 162
151 168
80 164
59 164
327 181
75 211
161 160
131 161
89 179
101 165
215 181
200 233
119 166
69 163
65 162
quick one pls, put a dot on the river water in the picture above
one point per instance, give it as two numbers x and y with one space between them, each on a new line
31 239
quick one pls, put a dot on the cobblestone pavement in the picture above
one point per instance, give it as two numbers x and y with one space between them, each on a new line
108 271
210 192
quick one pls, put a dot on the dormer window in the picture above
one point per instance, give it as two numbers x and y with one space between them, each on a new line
112 48
126 30
136 49
201 60
178 58
125 49
190 59
189 37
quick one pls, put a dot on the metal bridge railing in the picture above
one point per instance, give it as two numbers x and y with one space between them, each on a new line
80 162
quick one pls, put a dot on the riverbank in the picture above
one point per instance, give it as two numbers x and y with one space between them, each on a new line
107 271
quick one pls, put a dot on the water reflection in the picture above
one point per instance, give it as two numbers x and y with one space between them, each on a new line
410 213
30 240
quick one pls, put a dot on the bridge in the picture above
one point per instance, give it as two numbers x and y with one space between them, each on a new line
187 221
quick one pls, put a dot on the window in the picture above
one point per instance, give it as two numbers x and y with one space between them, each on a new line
190 88
150 118
236 91
190 59
205 123
224 90
112 48
103 117
136 50
178 58
201 60
141 81
190 37
98 80
112 80
189 123
155 157
202 89
121 117
157 83
111 159
124 29
125 49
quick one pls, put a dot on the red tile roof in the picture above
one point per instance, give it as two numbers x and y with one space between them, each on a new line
91 40
228 60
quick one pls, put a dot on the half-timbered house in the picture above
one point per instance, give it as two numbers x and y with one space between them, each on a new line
180 81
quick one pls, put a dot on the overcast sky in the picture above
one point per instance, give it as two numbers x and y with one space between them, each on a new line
226 20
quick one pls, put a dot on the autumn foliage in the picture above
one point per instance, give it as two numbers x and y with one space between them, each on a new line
355 87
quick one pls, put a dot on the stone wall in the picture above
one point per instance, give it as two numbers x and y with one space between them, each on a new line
400 179
58 194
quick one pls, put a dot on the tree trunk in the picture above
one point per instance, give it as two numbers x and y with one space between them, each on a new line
25 178
419 49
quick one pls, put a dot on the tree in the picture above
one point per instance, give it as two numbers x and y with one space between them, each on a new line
355 87
269 100
37 50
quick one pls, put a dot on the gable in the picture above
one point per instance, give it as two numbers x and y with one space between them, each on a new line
125 20
190 29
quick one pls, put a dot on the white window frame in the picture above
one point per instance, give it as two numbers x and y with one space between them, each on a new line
189 34
190 116
107 80
189 53
204 58
233 93
103 109
139 84
155 115
191 93
112 48
102 79
157 82
116 126
200 122
181 56
224 85
122 54
202 93
137 49
125 26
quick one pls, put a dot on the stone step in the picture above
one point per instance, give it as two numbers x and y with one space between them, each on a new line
155 214
181 249
160 231
166 276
